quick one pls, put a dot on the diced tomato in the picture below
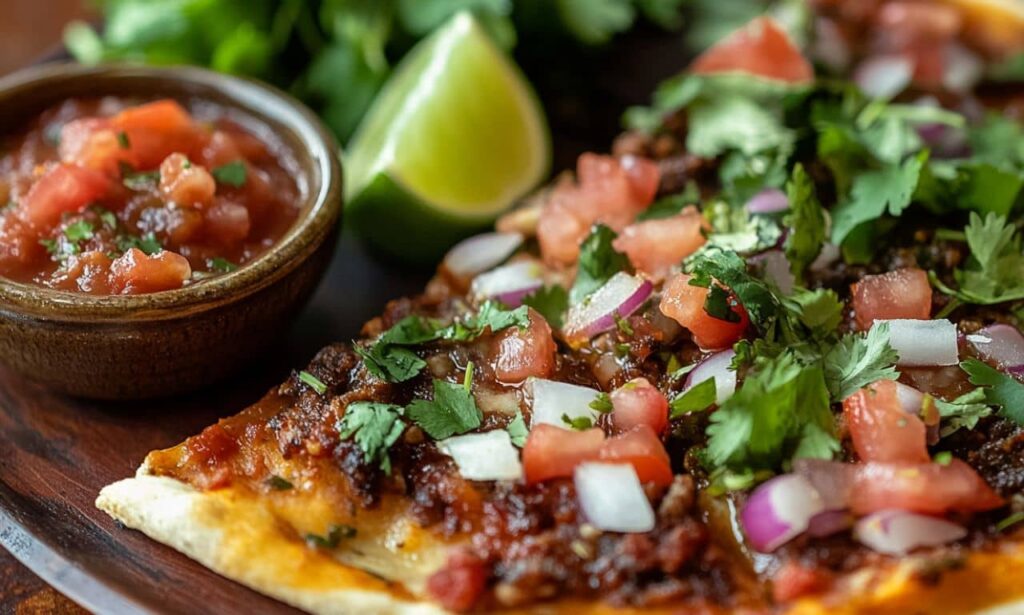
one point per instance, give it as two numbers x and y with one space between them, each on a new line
228 223
92 143
760 48
881 429
517 354
925 488
66 188
185 183
460 583
135 272
903 293
795 580
639 403
553 452
158 129
684 303
655 246
642 448
608 190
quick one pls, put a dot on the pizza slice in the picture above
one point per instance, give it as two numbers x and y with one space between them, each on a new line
765 358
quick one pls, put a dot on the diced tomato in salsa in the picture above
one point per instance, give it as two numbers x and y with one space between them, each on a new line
760 48
517 354
903 293
655 246
64 189
641 448
639 403
881 430
926 488
554 452
684 303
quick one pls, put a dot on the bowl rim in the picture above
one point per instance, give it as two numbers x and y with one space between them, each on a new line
320 210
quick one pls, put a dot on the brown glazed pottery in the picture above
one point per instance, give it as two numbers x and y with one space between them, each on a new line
137 346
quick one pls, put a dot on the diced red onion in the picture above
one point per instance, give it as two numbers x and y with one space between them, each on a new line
831 479
923 342
779 510
612 498
480 253
829 522
509 283
484 456
963 69
552 399
620 296
768 201
897 532
1000 343
715 366
884 76
776 270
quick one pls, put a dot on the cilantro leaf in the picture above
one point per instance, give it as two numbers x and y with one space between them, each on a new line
233 173
734 228
313 382
148 243
962 412
734 123
391 363
374 427
728 268
517 430
874 193
806 221
819 310
598 262
79 231
1000 390
578 423
491 316
859 359
595 21
452 411
780 412
551 302
697 399
995 271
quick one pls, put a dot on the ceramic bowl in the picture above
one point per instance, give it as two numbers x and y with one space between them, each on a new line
160 344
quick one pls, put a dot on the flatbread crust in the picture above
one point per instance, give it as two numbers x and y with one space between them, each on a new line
235 534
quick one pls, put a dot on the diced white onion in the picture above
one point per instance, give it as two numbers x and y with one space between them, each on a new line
923 342
910 398
884 76
963 70
480 253
484 456
715 366
509 283
612 498
552 399
898 532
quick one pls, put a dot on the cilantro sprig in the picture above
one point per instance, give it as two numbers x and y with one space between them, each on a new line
1002 391
453 411
995 271
374 427
598 262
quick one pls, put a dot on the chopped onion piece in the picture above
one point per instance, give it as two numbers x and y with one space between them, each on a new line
779 510
910 398
1002 344
484 456
775 268
612 498
480 253
829 254
923 342
884 76
620 296
898 532
715 366
768 201
829 522
509 283
963 69
552 399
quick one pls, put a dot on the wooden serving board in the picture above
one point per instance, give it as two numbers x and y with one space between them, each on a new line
56 453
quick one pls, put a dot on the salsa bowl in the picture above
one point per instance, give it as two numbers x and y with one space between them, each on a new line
164 343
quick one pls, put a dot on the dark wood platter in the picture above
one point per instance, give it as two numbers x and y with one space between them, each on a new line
56 453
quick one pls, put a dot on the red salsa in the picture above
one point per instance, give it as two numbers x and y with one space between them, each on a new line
106 196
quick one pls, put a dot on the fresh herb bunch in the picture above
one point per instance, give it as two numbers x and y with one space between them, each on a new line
336 54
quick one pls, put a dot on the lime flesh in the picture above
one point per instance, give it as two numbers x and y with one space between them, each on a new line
455 137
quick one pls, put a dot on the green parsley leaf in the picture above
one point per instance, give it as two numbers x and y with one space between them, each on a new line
734 123
995 271
696 399
374 427
122 140
728 268
579 423
277 483
221 265
517 430
106 216
819 310
232 174
598 262
312 382
806 221
147 243
140 181
333 537
733 228
51 245
602 403
943 458
963 412
391 363
858 360
79 231
780 412
1000 390
874 193
551 302
491 316
453 411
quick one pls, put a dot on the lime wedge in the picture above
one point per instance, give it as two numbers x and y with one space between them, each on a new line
453 139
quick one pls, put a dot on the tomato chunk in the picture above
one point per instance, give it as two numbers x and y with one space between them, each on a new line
637 403
552 452
642 448
760 48
156 130
608 190
460 583
903 293
881 429
517 354
136 272
925 488
66 188
684 303
655 246
186 183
